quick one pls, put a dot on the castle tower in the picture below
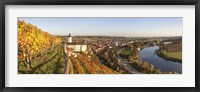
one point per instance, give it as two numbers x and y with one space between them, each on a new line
69 38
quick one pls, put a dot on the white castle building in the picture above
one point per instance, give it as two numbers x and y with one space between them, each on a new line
74 48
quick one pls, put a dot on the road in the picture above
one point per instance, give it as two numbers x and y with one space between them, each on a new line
126 64
66 71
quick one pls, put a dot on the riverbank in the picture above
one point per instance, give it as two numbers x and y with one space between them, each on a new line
126 64
167 56
142 67
149 55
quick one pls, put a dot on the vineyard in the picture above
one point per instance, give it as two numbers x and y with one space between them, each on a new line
38 51
42 53
82 64
50 63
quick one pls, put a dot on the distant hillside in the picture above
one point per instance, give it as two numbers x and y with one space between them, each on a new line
120 37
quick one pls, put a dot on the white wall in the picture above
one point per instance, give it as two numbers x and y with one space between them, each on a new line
69 39
77 47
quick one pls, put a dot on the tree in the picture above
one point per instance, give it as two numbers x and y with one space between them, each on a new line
139 62
145 64
130 58
135 55
130 46
151 67
118 60
52 45
106 55
109 60
158 71
114 56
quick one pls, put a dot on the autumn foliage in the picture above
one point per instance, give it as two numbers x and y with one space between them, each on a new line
33 41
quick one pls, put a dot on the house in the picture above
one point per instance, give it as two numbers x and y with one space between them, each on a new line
77 47
73 47
167 42
138 49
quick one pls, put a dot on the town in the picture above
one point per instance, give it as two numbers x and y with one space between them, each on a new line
106 47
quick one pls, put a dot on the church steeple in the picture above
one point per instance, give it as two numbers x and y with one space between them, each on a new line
69 38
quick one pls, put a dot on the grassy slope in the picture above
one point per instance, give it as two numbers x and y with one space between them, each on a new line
173 56
176 55
52 63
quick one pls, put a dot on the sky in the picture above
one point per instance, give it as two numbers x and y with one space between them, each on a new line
126 27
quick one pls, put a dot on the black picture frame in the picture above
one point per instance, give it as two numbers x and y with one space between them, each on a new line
3 3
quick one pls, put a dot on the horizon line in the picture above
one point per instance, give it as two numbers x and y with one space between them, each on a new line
120 36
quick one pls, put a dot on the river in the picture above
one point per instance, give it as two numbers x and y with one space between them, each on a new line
148 54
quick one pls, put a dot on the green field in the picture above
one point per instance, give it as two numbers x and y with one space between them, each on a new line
176 55
125 53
